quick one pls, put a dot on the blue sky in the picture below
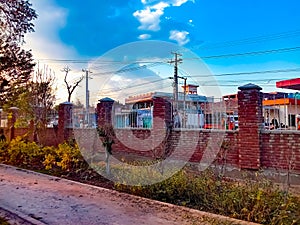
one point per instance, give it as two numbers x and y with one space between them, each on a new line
85 30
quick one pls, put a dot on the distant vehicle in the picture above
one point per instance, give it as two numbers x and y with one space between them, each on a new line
52 124
233 122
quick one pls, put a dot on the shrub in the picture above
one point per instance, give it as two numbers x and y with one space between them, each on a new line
24 153
252 200
69 156
20 152
256 201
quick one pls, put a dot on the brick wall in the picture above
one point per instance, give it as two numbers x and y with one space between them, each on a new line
186 145
47 137
250 147
280 150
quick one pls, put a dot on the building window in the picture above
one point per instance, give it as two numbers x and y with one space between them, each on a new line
292 120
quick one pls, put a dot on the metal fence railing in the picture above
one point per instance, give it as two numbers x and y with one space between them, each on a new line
282 113
211 114
135 118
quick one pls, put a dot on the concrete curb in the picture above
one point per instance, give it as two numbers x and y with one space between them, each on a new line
18 218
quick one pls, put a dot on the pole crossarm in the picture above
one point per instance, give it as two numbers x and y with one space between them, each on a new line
175 61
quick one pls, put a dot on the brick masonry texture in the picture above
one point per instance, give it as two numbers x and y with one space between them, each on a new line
249 147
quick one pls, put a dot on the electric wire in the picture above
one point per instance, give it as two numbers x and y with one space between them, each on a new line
250 40
271 51
248 73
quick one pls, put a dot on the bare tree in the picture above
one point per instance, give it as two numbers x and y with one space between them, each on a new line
71 86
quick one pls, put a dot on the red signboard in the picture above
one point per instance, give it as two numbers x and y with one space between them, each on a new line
289 84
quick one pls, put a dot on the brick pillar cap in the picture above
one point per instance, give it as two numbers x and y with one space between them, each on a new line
249 86
106 100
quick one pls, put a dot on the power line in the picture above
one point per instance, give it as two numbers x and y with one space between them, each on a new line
130 69
250 40
271 51
153 64
211 75
247 53
136 85
107 90
249 73
233 85
267 80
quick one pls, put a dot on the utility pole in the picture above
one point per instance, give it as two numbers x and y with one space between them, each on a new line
184 101
87 96
175 88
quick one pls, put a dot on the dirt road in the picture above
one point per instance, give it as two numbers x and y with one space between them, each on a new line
43 199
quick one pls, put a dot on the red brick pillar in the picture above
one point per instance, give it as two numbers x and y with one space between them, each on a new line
162 109
250 125
11 120
162 118
65 124
104 111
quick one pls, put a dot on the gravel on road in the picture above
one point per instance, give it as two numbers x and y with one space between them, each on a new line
44 199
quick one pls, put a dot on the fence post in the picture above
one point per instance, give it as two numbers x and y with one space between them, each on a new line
65 124
250 125
11 120
104 111
162 113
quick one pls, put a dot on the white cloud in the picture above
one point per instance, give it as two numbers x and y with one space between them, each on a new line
46 44
144 36
160 6
170 2
147 2
149 17
181 37
190 23
178 2
45 40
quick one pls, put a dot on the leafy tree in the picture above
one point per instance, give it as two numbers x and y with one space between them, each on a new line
16 64
36 102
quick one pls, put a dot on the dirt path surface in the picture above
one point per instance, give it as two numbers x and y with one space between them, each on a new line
43 199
